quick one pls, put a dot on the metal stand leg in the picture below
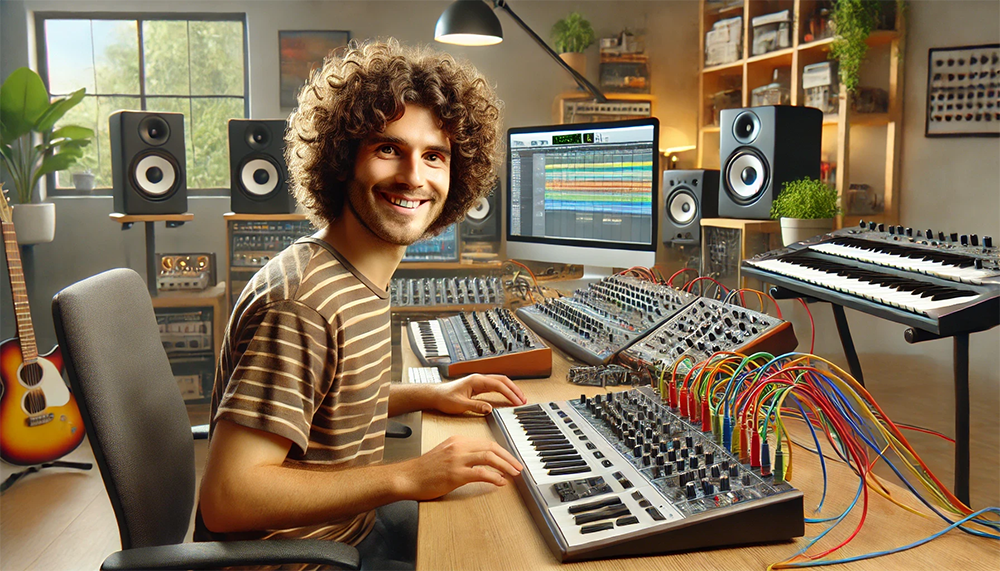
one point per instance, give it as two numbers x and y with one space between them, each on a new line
150 259
845 339
962 417
57 464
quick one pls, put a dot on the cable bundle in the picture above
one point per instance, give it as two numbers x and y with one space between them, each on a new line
744 400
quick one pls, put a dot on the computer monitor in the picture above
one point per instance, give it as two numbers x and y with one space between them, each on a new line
584 194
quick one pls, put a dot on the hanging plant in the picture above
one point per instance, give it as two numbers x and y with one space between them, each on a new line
854 21
573 34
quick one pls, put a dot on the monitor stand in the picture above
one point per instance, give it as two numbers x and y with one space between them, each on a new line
591 274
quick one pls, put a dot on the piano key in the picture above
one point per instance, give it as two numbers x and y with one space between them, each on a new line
947 265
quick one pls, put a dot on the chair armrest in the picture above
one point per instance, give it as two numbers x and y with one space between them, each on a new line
396 429
218 554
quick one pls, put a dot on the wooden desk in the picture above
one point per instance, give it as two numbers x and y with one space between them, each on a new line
479 526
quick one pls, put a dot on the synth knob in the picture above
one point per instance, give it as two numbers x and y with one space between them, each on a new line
899 230
685 452
979 263
672 455
965 240
954 236
689 441
872 225
892 230
691 490
707 487
724 483
734 470
881 227
941 236
716 471
930 234
693 462
862 225
909 232
702 472
987 241
709 458
699 449
974 239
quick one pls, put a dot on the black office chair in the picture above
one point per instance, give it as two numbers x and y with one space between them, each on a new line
141 434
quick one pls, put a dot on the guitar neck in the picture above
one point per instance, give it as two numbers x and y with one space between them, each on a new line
25 330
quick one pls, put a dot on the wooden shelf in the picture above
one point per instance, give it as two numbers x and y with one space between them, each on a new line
711 129
817 45
738 64
763 226
132 218
275 217
190 298
778 57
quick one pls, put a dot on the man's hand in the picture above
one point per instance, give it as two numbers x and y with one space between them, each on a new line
454 463
456 397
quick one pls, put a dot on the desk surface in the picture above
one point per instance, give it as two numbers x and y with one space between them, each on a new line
479 526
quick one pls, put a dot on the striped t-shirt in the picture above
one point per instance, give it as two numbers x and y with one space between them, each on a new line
307 356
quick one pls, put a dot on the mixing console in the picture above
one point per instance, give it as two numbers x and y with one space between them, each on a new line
708 326
621 474
487 342
254 242
429 292
596 323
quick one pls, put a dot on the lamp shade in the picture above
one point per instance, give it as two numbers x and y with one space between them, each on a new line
468 23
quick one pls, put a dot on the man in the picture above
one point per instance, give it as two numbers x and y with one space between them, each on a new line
388 145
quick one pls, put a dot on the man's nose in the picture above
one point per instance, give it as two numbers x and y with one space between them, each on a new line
411 173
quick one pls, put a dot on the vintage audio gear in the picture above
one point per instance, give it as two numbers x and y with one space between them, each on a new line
621 474
177 272
148 162
690 196
706 327
941 283
451 291
760 149
488 342
595 323
255 242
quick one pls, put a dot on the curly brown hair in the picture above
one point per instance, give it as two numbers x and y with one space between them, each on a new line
359 91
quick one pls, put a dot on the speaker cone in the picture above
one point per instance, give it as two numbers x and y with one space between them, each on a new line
746 127
746 176
480 210
258 136
154 130
682 207
259 176
155 176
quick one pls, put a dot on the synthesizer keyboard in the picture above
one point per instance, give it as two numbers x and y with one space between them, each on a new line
942 284
708 326
620 474
487 342
595 323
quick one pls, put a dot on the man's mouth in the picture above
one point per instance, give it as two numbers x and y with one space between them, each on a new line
403 202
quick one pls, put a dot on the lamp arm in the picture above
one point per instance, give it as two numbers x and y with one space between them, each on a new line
580 80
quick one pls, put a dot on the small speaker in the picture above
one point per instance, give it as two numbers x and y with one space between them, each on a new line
482 222
148 162
760 149
259 177
691 196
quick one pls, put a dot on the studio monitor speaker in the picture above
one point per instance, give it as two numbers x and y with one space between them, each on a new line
259 177
690 196
482 222
761 148
148 162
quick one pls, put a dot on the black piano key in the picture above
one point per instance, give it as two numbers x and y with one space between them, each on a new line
579 508
568 471
564 464
556 453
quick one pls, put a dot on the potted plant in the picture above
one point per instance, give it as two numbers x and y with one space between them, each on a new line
853 21
32 148
806 207
572 35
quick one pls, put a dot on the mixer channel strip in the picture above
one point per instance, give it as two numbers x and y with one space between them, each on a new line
621 474
469 293
595 323
706 327
487 342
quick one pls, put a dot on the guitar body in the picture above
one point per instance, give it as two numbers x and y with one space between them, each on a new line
39 418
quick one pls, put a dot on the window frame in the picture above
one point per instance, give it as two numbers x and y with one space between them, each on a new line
41 49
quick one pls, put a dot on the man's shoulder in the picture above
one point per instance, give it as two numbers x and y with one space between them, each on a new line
294 274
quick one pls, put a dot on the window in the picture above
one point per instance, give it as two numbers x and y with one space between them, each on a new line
193 64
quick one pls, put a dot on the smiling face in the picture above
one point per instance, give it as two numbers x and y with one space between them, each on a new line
401 178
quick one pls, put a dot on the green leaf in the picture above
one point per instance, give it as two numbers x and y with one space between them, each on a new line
58 108
73 132
23 99
54 163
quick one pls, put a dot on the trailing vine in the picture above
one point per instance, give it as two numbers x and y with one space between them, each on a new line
854 21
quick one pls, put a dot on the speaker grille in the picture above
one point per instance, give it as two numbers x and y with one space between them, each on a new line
259 177
154 175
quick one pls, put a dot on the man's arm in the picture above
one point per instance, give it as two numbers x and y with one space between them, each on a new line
454 397
247 485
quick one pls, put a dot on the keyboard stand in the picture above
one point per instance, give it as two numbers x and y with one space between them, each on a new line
914 335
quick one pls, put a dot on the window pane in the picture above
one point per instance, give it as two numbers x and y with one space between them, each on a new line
208 167
217 56
116 52
69 49
105 107
84 115
165 49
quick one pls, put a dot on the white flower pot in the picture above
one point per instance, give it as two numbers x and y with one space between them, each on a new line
34 223
798 229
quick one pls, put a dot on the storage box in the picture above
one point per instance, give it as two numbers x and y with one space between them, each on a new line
770 94
822 97
821 86
723 43
728 99
817 74
771 32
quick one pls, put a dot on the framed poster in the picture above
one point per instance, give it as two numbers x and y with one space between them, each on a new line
963 91
301 51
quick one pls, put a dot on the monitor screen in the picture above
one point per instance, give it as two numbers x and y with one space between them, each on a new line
584 193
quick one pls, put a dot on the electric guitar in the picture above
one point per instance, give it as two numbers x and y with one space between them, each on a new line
39 418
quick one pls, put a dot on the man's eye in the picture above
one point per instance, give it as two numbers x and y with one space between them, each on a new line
387 149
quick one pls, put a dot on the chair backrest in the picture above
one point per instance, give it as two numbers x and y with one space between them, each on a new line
132 409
